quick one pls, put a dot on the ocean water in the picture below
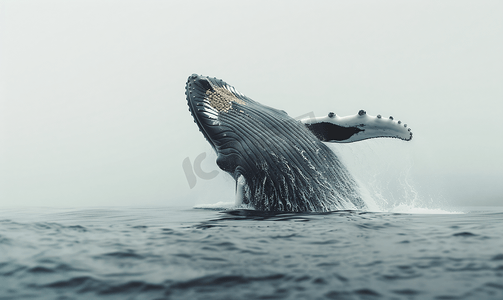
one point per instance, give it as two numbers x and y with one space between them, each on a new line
188 253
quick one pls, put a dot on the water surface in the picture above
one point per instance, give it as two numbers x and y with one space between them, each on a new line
186 253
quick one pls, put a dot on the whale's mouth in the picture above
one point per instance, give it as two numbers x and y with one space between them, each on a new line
201 109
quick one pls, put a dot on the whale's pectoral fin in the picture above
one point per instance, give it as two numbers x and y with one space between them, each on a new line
335 129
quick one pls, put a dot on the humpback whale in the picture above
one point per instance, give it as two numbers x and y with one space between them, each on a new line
280 163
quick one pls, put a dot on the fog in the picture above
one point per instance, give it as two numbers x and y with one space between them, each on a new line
93 111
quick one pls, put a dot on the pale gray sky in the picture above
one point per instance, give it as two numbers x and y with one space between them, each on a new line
93 111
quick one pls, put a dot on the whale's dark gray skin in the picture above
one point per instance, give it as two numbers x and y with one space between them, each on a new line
279 163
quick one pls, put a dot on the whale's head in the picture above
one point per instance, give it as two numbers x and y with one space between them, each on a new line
283 166
237 127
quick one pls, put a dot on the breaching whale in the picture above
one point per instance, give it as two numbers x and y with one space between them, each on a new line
279 163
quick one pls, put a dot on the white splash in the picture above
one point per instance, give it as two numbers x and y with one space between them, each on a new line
410 209
384 174
221 205
218 206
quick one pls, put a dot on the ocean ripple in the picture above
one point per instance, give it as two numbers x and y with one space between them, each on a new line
243 254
